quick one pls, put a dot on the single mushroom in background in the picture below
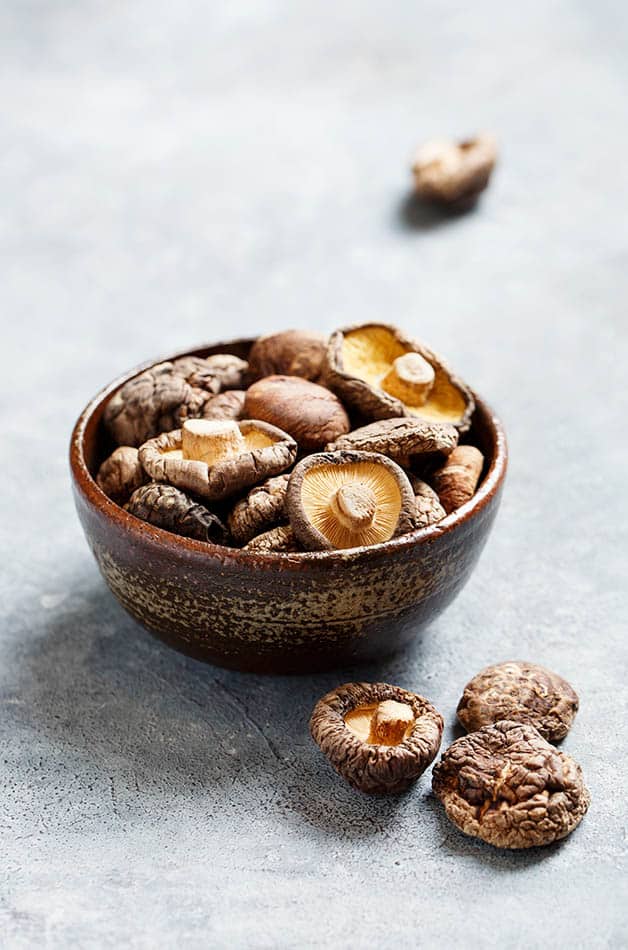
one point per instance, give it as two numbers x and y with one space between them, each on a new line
310 413
374 370
400 439
226 405
428 509
288 353
162 397
165 506
279 540
457 479
379 738
121 473
523 692
508 786
454 173
262 509
348 499
237 460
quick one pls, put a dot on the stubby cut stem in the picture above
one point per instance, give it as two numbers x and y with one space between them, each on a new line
211 440
391 723
410 379
354 505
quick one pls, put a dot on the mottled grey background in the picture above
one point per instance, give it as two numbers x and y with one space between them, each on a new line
180 172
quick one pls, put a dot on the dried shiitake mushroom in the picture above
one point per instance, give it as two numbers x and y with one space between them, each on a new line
454 173
310 413
227 405
280 540
162 397
456 481
428 509
400 438
260 510
121 473
522 692
380 738
508 786
231 462
288 353
348 499
373 370
166 507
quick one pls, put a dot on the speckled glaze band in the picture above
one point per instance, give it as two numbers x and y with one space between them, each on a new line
280 612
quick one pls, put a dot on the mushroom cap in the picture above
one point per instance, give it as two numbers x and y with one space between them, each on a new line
289 352
508 786
454 172
312 414
121 473
372 768
522 692
171 509
348 499
279 540
269 451
262 508
359 358
399 438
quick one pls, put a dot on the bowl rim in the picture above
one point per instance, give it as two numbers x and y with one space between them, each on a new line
93 494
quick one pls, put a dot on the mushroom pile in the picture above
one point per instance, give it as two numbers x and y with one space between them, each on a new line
313 444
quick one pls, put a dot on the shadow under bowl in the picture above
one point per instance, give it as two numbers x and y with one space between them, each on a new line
280 613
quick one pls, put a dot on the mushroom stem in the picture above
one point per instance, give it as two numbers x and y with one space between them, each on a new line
211 440
354 505
390 723
410 379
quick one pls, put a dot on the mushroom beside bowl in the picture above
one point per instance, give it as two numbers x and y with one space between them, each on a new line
280 613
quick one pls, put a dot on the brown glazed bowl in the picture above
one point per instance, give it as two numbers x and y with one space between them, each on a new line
279 613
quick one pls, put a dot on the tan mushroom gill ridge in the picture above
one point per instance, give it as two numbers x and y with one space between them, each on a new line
369 353
320 487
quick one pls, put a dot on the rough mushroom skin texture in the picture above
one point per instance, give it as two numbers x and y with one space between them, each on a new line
120 474
369 767
399 438
522 692
269 452
161 398
454 173
227 405
428 509
260 510
456 481
310 413
166 507
279 540
508 786
288 353
348 499
359 359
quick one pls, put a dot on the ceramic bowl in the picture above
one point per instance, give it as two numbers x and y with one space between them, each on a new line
280 612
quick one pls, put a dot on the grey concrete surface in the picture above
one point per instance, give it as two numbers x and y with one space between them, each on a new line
179 172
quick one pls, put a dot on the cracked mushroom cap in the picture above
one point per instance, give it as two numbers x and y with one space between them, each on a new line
400 438
166 507
162 397
508 786
225 457
380 738
523 692
348 499
382 374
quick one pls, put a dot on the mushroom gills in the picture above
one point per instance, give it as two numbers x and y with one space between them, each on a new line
385 723
352 505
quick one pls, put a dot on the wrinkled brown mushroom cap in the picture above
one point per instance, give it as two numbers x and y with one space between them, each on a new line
279 540
454 173
376 769
260 510
348 499
522 692
358 360
289 353
121 473
269 451
400 438
508 786
165 506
